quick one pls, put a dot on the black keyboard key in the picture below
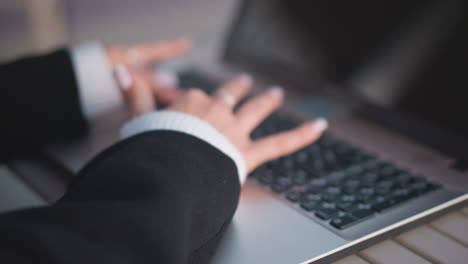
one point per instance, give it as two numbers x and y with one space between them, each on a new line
361 213
316 185
287 163
389 171
348 198
403 179
364 198
402 192
367 191
311 197
351 186
400 198
329 197
354 170
345 206
336 178
434 186
369 179
342 221
281 185
374 164
294 196
266 177
334 190
301 156
329 157
328 205
384 187
383 205
326 213
420 187
300 177
309 205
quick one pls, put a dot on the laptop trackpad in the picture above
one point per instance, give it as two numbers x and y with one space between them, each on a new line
266 230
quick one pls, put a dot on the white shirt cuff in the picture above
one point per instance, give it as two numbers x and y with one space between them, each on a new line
98 90
188 124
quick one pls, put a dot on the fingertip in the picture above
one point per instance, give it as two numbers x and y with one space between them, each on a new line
245 79
276 91
319 125
166 79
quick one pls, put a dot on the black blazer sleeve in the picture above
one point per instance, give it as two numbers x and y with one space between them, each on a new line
159 197
39 103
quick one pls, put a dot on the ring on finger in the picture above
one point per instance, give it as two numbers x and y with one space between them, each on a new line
228 98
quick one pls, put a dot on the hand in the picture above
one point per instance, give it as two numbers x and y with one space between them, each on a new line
237 126
138 82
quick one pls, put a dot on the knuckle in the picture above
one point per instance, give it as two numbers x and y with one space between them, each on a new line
219 107
195 93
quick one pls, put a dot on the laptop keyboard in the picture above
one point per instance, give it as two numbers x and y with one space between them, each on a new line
338 183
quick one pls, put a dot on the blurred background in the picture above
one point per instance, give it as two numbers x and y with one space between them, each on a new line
37 25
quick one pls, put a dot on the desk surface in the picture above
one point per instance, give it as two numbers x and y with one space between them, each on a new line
444 240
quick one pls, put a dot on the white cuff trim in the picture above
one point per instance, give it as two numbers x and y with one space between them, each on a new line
189 124
98 90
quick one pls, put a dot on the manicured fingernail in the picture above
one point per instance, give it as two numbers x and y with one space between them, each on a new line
245 79
319 125
122 76
276 91
167 79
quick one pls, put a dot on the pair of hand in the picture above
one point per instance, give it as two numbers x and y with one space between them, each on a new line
217 110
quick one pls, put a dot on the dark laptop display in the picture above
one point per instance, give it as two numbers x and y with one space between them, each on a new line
312 43
326 40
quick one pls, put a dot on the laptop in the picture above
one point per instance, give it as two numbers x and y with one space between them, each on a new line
365 179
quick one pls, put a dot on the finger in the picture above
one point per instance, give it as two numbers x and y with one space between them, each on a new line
193 101
284 143
233 91
168 96
141 99
254 111
163 85
151 53
164 79
122 77
136 90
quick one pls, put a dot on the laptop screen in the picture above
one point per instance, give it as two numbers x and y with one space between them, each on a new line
311 42
322 40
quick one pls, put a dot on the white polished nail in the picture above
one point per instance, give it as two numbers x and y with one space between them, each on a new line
167 79
122 76
276 91
319 125
245 79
